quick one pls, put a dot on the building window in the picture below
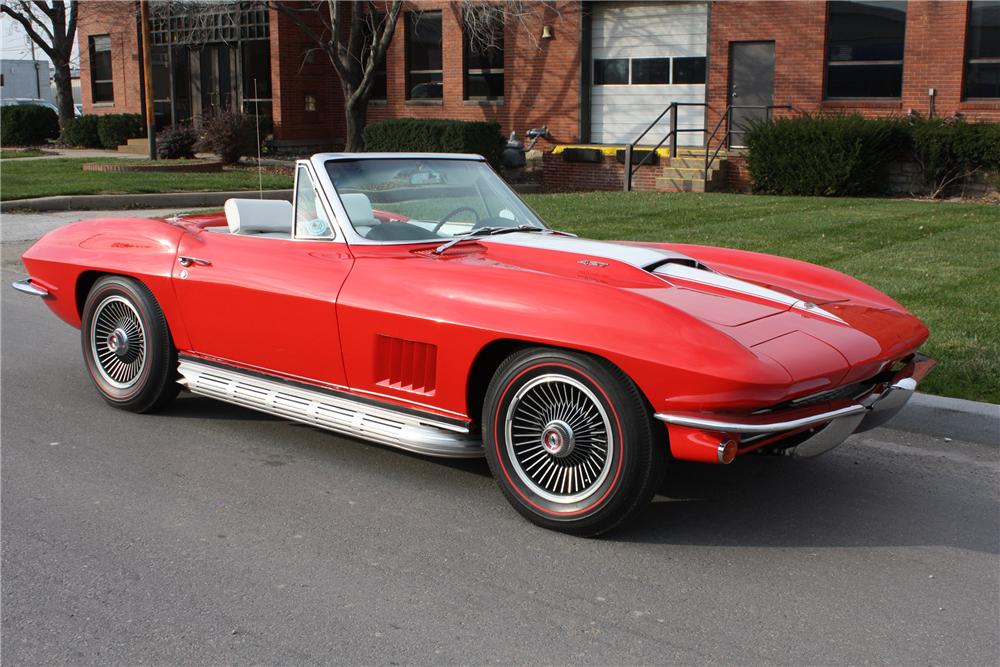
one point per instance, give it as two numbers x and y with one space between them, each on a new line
255 63
650 71
101 85
310 102
689 70
611 72
424 74
483 54
865 48
982 51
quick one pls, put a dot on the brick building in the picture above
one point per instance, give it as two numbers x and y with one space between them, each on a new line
592 72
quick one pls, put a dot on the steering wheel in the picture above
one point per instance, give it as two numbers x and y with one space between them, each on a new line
443 220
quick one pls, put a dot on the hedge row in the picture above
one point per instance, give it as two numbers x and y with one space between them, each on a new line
107 131
838 155
436 136
27 125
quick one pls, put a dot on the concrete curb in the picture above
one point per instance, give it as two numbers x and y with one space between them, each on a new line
153 200
954 418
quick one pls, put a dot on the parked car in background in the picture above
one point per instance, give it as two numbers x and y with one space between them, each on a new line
415 301
6 102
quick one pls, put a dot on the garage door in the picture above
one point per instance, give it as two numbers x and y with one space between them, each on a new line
646 55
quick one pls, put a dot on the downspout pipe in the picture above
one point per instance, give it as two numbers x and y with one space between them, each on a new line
586 51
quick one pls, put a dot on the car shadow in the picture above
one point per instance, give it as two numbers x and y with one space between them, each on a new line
844 499
852 497
190 406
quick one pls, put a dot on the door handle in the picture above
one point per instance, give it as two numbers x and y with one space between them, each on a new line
188 261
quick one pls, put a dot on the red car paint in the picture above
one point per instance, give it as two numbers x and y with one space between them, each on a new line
316 311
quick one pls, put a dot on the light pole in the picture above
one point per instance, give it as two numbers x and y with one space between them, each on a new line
147 71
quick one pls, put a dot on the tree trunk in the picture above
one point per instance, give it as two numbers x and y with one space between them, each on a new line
64 92
356 116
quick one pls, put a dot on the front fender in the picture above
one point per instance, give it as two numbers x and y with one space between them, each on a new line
460 307
69 257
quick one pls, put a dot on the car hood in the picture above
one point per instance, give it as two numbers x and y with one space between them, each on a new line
814 321
699 289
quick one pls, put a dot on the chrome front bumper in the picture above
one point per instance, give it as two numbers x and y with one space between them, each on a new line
835 421
26 286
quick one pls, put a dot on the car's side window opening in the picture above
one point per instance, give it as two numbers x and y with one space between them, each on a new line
311 221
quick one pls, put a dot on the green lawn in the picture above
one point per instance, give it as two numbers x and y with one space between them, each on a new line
42 178
941 260
14 153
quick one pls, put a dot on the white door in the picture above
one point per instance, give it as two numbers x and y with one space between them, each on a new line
646 55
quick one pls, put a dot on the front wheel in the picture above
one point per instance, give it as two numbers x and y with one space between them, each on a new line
570 440
127 345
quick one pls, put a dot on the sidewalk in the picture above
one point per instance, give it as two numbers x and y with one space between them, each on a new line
88 153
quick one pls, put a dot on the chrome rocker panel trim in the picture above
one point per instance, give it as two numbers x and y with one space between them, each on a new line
25 285
333 413
837 424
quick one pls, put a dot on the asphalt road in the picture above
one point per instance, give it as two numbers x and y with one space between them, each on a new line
210 534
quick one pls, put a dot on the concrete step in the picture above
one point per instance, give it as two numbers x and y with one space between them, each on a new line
680 185
695 162
698 156
670 171
138 146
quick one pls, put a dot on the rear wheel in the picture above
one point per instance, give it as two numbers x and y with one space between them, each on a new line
570 440
127 346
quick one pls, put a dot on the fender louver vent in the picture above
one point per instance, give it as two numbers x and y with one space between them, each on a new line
406 365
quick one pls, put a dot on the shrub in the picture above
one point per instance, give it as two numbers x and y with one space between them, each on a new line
228 134
27 125
949 150
266 124
82 132
175 142
115 129
437 136
824 155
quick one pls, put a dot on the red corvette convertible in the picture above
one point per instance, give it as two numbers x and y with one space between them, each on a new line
416 301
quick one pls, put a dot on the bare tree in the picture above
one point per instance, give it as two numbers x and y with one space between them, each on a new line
357 52
52 26
483 20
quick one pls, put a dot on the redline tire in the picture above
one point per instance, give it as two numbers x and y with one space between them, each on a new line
127 346
570 441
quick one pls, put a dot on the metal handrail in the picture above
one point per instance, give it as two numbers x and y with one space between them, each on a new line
727 114
671 135
708 141
630 169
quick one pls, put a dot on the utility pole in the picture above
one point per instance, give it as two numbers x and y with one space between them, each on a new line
147 71
38 84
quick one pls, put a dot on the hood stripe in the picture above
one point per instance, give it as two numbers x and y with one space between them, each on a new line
633 255
641 257
724 282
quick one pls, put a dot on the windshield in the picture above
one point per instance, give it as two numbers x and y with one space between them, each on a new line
423 199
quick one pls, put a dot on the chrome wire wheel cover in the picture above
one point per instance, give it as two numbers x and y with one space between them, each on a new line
559 438
118 342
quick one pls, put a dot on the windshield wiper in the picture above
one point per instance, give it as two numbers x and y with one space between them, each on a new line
494 231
